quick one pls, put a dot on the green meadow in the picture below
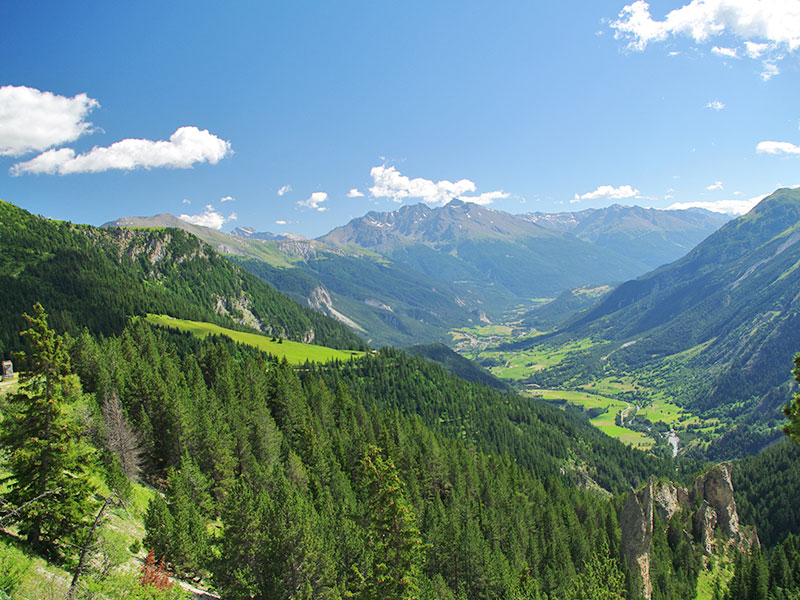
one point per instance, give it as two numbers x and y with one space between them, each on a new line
294 352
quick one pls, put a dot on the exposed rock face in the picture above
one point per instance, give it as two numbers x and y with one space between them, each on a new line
668 499
637 533
705 523
8 370
716 488
715 519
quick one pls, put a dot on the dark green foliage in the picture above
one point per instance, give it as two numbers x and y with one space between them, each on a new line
538 436
279 461
47 459
456 364
772 575
767 488
98 278
792 411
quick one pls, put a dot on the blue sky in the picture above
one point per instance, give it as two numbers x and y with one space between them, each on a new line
119 109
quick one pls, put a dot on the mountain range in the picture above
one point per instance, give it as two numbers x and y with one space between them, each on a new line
412 275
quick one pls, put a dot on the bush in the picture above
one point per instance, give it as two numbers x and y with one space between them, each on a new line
13 565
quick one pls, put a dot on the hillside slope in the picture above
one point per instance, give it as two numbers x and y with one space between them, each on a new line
385 301
97 278
732 301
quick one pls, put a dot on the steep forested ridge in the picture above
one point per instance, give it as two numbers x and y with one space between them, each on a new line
97 278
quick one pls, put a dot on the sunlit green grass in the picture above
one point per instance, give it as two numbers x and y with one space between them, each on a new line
294 352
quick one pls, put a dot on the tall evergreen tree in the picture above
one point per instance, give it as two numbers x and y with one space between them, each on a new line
393 538
47 458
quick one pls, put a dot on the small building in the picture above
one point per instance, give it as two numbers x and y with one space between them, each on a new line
8 370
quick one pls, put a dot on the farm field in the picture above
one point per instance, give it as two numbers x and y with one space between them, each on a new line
294 352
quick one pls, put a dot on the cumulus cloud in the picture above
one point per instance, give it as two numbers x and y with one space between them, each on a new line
726 52
777 148
388 182
776 23
354 193
731 207
209 218
284 189
185 147
717 185
314 201
609 192
227 199
32 120
715 105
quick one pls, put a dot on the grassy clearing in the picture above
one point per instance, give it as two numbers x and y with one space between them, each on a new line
520 364
294 352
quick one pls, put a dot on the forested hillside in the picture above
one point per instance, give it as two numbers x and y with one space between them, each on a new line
97 278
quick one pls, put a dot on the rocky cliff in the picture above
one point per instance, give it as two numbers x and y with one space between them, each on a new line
709 506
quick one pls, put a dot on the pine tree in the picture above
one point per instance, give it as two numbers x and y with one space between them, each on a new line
47 457
393 538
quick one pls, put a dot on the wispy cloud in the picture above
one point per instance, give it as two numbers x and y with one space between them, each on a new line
186 201
609 192
717 185
315 201
32 120
731 207
284 189
186 147
280 222
715 105
776 23
209 218
388 182
726 52
227 199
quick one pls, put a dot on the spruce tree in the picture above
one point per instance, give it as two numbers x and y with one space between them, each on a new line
47 460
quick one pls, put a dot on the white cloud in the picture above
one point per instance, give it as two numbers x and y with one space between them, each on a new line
284 189
726 52
754 49
280 222
486 197
32 120
770 70
314 201
354 193
731 207
186 201
227 199
776 23
715 105
185 147
777 148
388 182
608 191
717 185
210 218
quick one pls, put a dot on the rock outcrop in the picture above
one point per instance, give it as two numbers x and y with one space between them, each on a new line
715 520
636 521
